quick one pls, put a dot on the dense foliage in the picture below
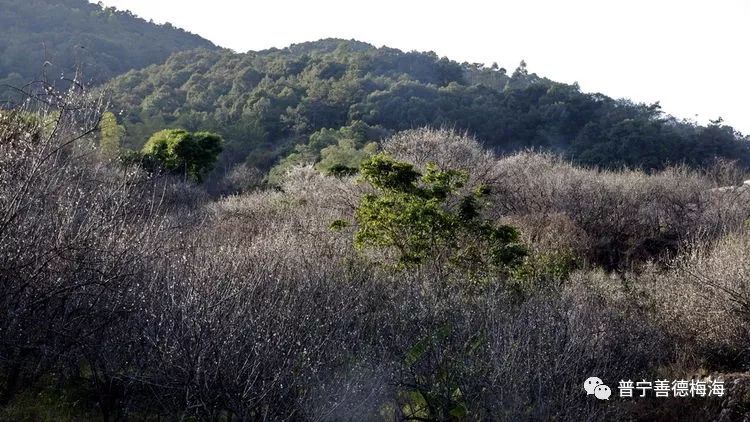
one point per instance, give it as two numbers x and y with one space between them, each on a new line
110 136
419 216
266 102
338 152
50 38
190 155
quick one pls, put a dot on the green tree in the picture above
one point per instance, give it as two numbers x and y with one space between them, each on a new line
420 216
182 152
335 152
344 158
110 135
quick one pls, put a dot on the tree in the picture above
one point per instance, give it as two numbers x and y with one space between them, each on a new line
43 39
266 102
336 152
344 158
182 152
420 217
110 135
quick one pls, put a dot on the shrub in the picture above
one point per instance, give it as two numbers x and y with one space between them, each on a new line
704 302
446 149
241 178
411 214
624 218
189 154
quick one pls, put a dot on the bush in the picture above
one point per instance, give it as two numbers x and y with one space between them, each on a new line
446 149
704 302
241 178
191 155
624 218
411 213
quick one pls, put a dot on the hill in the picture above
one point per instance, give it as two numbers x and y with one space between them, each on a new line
68 34
266 102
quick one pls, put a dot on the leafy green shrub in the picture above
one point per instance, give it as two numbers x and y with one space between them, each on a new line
110 135
333 152
344 158
182 152
417 216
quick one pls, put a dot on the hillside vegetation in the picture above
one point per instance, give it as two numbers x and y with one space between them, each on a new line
267 104
442 283
58 37
333 231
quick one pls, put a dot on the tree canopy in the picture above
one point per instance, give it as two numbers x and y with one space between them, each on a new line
45 37
268 103
182 152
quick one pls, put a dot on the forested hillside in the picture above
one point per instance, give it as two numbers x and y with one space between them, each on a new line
59 36
266 102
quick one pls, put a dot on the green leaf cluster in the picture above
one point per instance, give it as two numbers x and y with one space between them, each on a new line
333 152
189 154
419 217
435 392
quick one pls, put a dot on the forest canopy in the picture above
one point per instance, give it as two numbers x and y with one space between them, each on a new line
57 37
269 105
266 104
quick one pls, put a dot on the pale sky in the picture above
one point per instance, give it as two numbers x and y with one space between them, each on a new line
691 55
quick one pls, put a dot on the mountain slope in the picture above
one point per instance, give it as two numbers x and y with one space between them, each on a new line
266 102
68 34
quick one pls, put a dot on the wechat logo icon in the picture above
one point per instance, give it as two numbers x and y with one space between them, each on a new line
595 386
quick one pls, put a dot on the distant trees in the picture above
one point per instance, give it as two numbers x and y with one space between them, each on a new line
333 151
650 141
344 158
269 104
73 34
182 152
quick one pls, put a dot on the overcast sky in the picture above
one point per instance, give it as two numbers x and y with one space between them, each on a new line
691 55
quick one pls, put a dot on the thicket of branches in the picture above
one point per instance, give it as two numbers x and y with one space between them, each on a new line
125 295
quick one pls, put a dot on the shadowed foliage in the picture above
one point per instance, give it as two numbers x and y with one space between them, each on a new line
45 39
268 103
